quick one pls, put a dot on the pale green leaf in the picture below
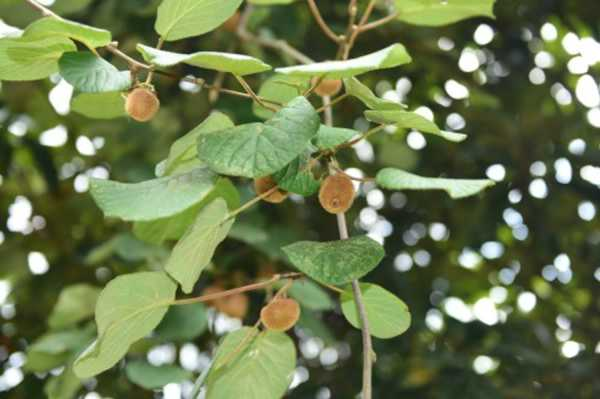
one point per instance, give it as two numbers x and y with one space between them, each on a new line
297 177
270 2
75 303
252 365
173 227
88 35
129 308
310 295
89 73
106 105
184 150
55 349
387 315
280 89
183 323
152 199
389 57
148 376
412 120
357 89
24 59
438 12
329 137
195 249
63 386
178 19
396 179
237 64
336 262
260 149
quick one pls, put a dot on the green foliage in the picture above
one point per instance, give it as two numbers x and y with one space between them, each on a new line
311 295
183 323
336 262
178 19
246 357
237 64
329 137
356 89
281 89
297 177
436 13
88 35
75 303
89 73
128 308
259 149
196 248
396 179
152 377
387 315
106 105
389 57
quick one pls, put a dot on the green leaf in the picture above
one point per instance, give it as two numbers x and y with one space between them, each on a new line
184 151
356 89
63 386
310 295
260 149
312 324
173 227
412 120
178 19
396 179
297 177
183 323
390 57
237 64
330 137
270 2
106 105
54 349
154 377
280 89
195 249
24 59
127 248
336 262
89 73
252 365
437 13
387 315
152 199
129 308
75 303
88 35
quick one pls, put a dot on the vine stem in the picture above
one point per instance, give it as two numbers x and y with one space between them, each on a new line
314 9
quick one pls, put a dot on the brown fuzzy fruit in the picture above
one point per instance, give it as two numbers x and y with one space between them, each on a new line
281 314
234 305
337 193
232 23
142 104
264 184
329 87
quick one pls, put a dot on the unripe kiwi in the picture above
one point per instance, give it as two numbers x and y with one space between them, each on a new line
329 87
281 314
264 184
142 104
232 23
337 193
234 305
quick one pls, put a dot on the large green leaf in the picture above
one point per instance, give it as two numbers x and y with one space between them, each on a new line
106 105
129 307
252 365
75 303
336 262
412 120
31 58
329 137
280 89
310 295
442 12
184 151
196 248
396 179
390 57
178 19
183 323
260 149
387 315
153 377
89 73
356 89
152 199
297 177
173 227
88 35
237 64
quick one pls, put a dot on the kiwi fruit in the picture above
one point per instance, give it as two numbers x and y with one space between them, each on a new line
328 87
142 104
281 314
337 193
264 184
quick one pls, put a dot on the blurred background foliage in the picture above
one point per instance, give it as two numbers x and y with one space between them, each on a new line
503 287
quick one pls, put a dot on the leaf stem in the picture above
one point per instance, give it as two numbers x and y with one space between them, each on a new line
333 102
159 45
251 203
314 9
252 94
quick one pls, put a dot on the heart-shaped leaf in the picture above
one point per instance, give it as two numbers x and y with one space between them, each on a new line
89 73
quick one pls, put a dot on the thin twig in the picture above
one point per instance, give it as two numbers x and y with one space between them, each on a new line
378 23
333 102
159 45
314 9
252 94
45 11
363 136
250 203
